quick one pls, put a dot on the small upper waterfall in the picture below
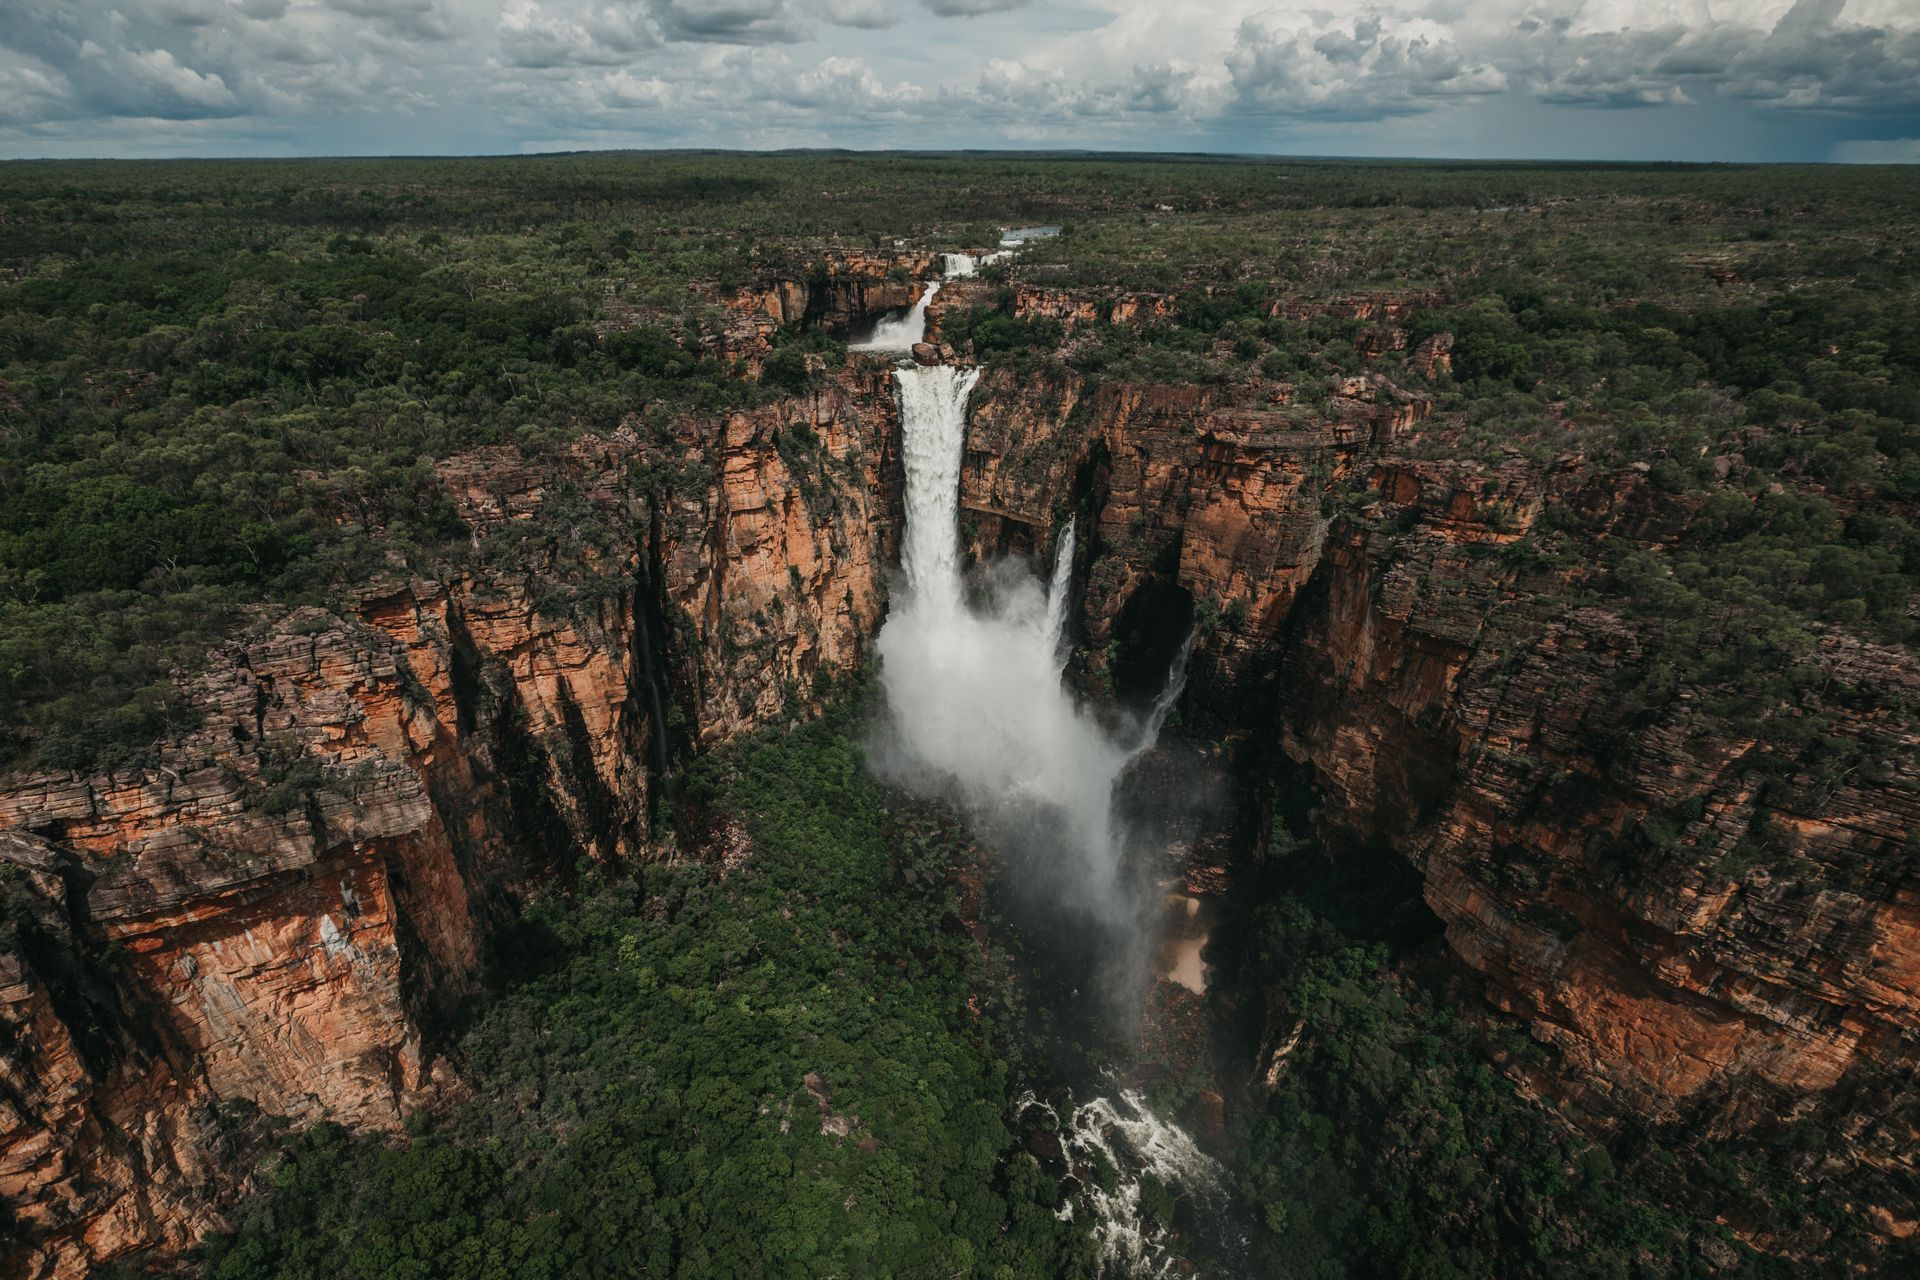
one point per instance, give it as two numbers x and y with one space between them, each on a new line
897 334
956 265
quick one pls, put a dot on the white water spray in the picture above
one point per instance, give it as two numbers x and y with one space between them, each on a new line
977 709
974 692
897 334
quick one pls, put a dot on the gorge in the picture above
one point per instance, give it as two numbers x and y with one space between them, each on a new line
1376 630
976 711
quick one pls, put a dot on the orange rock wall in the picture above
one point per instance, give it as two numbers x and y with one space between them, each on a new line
283 905
1363 624
281 908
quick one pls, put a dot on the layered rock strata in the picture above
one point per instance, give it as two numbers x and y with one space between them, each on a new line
266 925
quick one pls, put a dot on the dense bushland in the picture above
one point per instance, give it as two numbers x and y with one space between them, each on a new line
1392 1145
798 1070
226 383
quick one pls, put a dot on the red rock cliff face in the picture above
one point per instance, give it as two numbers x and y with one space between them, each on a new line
847 289
268 921
272 918
1706 931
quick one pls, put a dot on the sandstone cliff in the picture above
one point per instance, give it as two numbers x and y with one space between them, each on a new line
266 925
847 289
1707 927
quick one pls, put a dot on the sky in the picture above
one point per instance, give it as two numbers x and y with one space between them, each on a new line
1577 79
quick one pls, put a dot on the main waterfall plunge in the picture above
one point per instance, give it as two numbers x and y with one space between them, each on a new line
974 691
977 711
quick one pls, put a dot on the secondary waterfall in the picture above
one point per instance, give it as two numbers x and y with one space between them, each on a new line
1058 590
897 334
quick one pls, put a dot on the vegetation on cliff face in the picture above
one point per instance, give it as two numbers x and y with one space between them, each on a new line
1386 1142
799 1069
224 383
229 388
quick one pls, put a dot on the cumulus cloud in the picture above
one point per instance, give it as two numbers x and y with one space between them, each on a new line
1365 69
562 35
624 89
731 21
752 83
1589 53
183 60
1809 57
425 19
161 72
1164 73
30 93
1161 87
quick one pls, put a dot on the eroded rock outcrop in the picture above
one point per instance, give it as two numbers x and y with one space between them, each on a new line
1081 306
1705 929
264 927
845 289
1711 930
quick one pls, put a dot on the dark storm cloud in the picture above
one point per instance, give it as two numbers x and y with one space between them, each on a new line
971 8
732 21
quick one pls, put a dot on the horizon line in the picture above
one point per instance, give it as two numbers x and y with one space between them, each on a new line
1023 153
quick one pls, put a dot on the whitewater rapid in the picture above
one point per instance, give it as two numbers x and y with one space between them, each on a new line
1124 1134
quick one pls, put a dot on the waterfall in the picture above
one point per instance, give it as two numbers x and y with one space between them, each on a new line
956 265
973 691
976 711
1058 589
975 700
934 401
897 334
1163 703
